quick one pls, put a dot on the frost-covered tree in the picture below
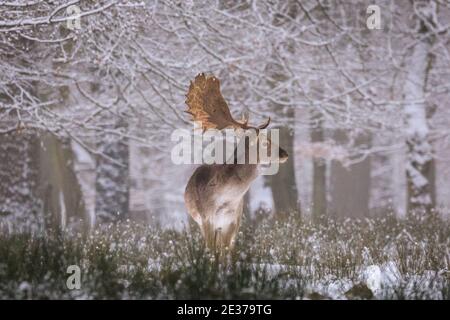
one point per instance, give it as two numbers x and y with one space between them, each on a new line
122 77
420 164
20 204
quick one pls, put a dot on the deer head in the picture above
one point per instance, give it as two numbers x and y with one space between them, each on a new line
209 109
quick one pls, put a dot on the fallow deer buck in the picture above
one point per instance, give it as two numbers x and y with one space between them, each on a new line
214 194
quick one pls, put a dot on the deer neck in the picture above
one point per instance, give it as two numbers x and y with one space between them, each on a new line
244 173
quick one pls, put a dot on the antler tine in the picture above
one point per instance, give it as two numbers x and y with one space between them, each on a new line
265 124
244 120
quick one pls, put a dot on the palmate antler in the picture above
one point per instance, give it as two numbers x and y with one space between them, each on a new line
208 107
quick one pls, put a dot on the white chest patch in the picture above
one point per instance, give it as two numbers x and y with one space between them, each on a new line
229 195
223 220
226 204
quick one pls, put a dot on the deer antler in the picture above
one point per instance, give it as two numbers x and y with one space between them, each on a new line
207 105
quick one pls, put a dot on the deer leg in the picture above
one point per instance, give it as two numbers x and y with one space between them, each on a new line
218 240
211 235
229 236
235 226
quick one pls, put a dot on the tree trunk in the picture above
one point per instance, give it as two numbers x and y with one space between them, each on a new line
319 196
112 179
63 201
283 185
20 201
420 164
350 187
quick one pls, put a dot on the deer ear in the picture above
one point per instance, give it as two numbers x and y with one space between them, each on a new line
265 124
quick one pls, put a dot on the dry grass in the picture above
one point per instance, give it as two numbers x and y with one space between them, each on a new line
273 259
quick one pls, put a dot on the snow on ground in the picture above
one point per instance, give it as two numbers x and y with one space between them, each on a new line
382 280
